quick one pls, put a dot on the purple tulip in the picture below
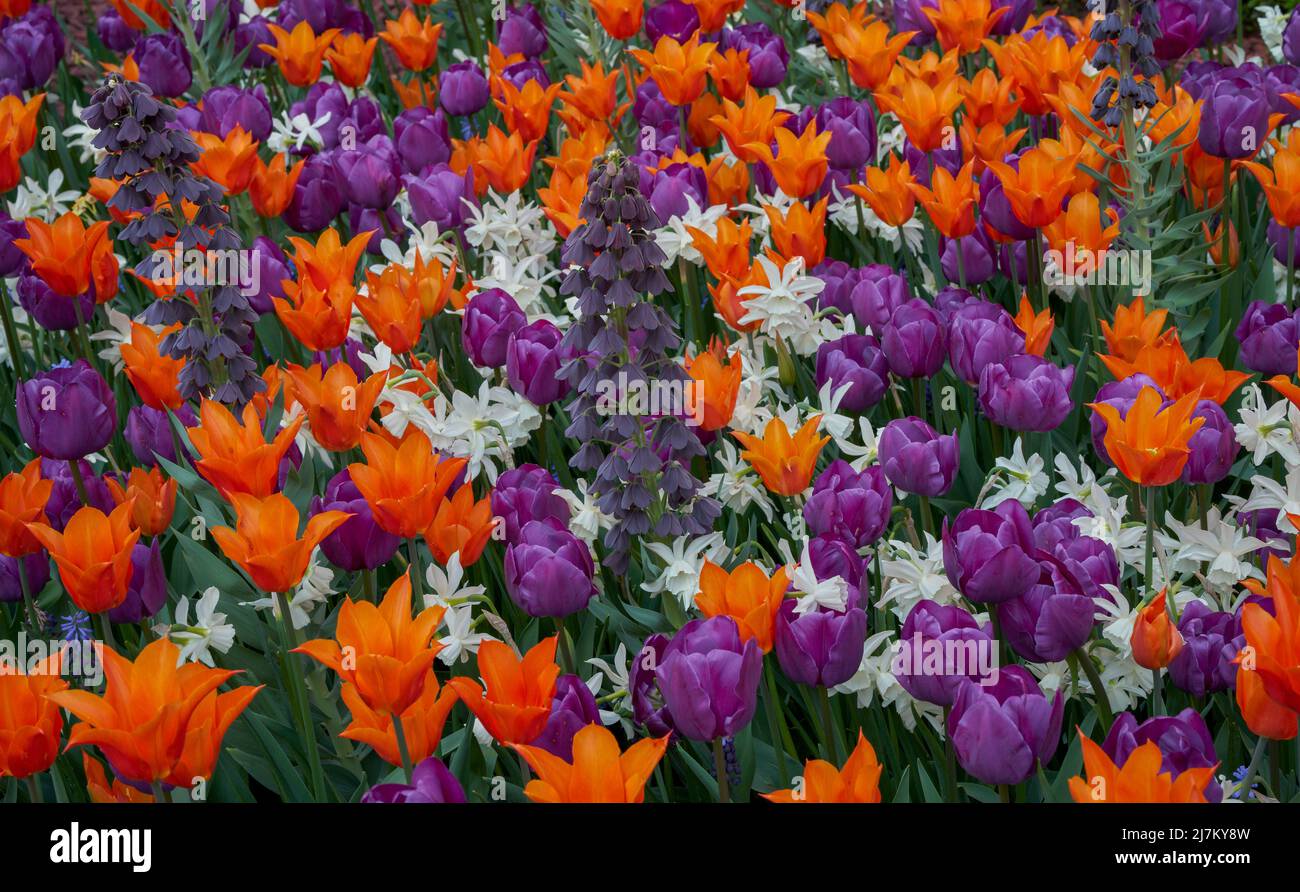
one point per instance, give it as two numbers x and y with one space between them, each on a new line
922 163
1092 561
1120 394
65 500
1053 618
1280 80
981 333
463 89
852 126
421 138
1234 114
148 431
1291 38
250 36
325 14
369 173
1198 74
359 543
525 494
1211 641
914 341
1213 448
858 361
832 555
939 647
878 292
709 680
114 33
991 556
1014 19
1183 28
1183 739
491 318
227 107
768 56
317 197
522 31
674 18
31 47
548 570
147 591
671 186
995 208
978 260
917 459
648 707
67 412
36 570
820 648
1026 393
1002 731
1269 335
440 195
164 63
52 312
909 16
533 358
951 299
573 707
11 259
854 506
431 781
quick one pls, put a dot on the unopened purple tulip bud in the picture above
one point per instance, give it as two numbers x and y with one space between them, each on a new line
981 333
914 341
819 648
709 680
359 543
1001 732
67 412
1211 641
1053 618
1184 741
431 782
164 63
573 707
463 89
853 505
940 646
1026 393
525 494
491 318
1269 335
858 361
917 459
549 570
991 556
1213 448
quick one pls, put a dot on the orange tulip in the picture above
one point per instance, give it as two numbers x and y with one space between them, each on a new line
950 201
728 302
149 711
562 200
1205 177
679 69
1155 639
1273 640
785 463
593 95
857 781
835 19
1133 329
1149 445
754 121
1214 241
31 724
414 42
992 142
989 100
598 772
720 383
152 497
229 162
461 525
17 136
728 182
392 307
153 9
329 260
1039 66
154 376
422 722
70 257
527 110
963 24
1281 186
747 596
800 163
404 484
272 185
924 111
870 52
1140 779
319 317
887 191
235 457
801 232
517 700
435 286
300 53
1178 375
699 122
381 650
207 727
99 788
1037 189
1037 328
726 253
1262 714
265 539
621 19
337 403
94 555
23 496
416 92
730 73
505 161
350 57
713 13
1080 228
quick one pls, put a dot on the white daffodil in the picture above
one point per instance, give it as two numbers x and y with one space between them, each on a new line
911 574
460 640
1221 545
1107 523
425 241
682 563
811 592
875 679
675 239
1016 477
46 202
737 486
313 590
445 586
82 137
293 133
209 629
114 336
1077 483
528 279
1265 429
1272 24
586 520
510 226
1268 494
783 308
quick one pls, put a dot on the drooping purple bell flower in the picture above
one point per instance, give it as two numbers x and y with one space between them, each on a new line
709 679
1026 393
549 570
1002 731
66 412
917 459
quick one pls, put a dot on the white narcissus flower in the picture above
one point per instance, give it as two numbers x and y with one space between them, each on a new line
445 585
114 336
425 241
682 563
1265 429
737 486
586 520
1220 544
1016 477
209 629
46 202
510 226
1107 523
314 589
675 239
1268 494
527 279
1078 483
460 639
875 678
1272 24
484 429
783 307
912 575
811 592
296 132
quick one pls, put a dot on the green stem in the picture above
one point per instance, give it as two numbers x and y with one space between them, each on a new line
1151 533
417 578
1253 768
398 731
299 699
11 334
786 740
720 766
831 732
34 789
1098 690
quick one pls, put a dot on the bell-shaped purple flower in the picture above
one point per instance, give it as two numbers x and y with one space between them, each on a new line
991 556
709 680
939 647
491 318
852 505
914 341
549 570
67 412
858 361
917 458
981 333
1026 393
1053 618
1002 731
